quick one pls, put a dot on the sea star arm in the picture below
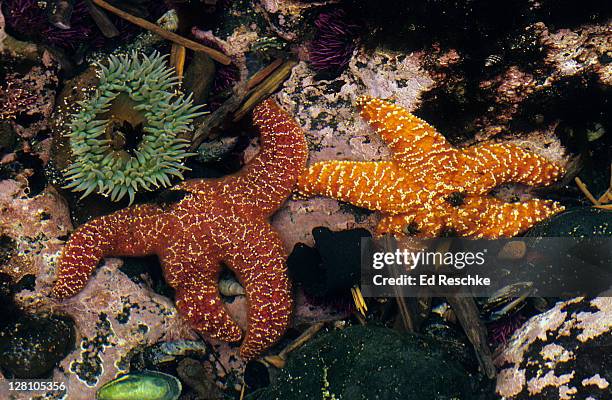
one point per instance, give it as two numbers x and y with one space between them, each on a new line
267 180
194 272
419 222
134 231
411 140
255 253
486 216
372 185
430 186
478 216
482 167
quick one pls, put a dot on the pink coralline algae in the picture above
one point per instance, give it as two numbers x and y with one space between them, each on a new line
27 98
14 98
334 42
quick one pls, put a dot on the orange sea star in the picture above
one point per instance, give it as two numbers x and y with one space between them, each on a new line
430 186
219 221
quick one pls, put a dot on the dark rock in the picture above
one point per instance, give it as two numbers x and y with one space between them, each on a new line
333 266
26 161
256 375
8 137
148 271
32 346
8 309
28 282
577 222
365 362
194 375
7 248
438 328
139 8
584 268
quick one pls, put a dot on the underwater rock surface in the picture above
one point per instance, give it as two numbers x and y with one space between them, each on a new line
365 362
32 228
562 354
113 316
33 345
107 326
578 222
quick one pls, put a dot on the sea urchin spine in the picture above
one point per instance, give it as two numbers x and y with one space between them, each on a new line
334 43
97 166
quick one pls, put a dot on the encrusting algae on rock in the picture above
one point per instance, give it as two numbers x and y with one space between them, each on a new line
429 186
559 354
218 221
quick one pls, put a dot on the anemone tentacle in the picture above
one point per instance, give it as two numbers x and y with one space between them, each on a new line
151 85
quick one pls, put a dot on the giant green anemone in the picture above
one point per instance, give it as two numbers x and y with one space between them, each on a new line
127 136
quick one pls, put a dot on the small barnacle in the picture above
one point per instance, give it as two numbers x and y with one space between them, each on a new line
229 287
493 60
169 21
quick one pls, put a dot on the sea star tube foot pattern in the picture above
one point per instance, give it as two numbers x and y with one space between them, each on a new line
219 221
430 186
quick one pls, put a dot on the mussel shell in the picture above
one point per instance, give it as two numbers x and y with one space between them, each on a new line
506 301
146 385
165 352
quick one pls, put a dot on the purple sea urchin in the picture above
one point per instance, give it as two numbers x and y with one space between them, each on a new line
225 78
28 18
501 331
333 45
100 132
